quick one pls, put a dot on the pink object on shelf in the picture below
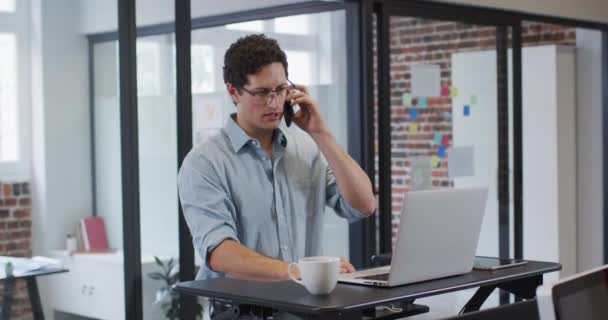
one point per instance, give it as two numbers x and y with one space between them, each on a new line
94 233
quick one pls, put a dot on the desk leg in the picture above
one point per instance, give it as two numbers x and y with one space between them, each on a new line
32 291
7 298
523 288
477 299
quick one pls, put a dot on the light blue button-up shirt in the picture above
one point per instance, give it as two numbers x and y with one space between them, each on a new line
230 189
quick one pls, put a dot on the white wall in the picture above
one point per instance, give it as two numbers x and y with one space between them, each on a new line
61 177
589 131
100 16
589 10
61 133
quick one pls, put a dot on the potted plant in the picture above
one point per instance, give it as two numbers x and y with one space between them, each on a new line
167 298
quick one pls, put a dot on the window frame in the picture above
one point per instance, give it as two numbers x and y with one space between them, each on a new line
17 23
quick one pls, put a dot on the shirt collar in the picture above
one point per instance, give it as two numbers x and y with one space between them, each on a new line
239 138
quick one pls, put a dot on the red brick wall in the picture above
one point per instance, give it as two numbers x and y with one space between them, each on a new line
15 236
414 40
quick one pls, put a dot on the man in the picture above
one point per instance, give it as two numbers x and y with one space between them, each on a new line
254 196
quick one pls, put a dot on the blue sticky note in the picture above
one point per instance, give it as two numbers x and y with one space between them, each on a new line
437 138
467 110
421 102
441 151
413 113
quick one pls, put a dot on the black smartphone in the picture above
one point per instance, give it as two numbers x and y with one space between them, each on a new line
288 112
492 264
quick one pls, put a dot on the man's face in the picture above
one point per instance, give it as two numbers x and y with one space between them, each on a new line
259 113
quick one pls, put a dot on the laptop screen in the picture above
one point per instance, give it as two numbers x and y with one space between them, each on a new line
583 298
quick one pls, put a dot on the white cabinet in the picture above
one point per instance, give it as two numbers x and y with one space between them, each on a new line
94 286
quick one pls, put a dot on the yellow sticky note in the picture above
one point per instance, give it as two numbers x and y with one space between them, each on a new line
413 128
434 161
453 92
407 100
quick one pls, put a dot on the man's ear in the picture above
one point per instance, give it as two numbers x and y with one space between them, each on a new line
233 92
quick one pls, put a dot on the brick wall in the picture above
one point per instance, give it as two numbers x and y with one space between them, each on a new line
414 40
15 236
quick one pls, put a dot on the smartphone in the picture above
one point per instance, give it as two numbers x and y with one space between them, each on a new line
492 264
288 112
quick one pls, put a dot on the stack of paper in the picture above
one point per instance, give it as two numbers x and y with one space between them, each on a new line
22 266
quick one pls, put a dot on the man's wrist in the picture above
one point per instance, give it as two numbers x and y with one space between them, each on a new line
322 136
285 273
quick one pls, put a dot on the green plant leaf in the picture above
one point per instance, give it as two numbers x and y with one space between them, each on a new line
158 262
156 276
173 279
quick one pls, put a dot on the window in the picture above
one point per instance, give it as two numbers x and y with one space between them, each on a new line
7 5
148 64
14 91
301 66
292 25
202 69
8 99
253 26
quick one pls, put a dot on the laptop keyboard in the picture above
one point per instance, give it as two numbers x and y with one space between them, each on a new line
382 277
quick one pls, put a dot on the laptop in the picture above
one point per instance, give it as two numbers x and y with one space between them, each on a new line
437 237
581 296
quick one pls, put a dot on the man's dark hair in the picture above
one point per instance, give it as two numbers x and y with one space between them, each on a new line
248 55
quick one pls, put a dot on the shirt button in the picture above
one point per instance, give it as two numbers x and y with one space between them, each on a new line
285 248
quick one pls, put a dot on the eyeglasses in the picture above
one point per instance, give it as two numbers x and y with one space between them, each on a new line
264 96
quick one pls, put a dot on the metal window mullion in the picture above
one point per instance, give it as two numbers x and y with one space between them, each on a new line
130 160
184 143
518 207
384 130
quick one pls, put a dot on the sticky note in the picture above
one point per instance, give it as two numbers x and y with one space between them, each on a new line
453 92
445 91
441 151
413 128
413 113
422 102
461 162
434 161
406 100
473 99
466 111
437 138
445 140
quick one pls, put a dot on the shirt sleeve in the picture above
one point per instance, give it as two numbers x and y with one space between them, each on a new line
334 199
207 206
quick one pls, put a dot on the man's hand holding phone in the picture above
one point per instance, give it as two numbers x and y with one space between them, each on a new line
308 118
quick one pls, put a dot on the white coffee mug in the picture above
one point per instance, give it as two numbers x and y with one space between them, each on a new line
319 274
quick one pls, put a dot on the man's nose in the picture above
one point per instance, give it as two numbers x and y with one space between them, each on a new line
273 100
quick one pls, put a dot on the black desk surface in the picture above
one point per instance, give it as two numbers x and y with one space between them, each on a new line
290 296
40 272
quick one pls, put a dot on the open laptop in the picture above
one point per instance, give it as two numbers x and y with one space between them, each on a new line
437 237
581 296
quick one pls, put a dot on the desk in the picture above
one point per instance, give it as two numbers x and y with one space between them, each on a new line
32 290
353 302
